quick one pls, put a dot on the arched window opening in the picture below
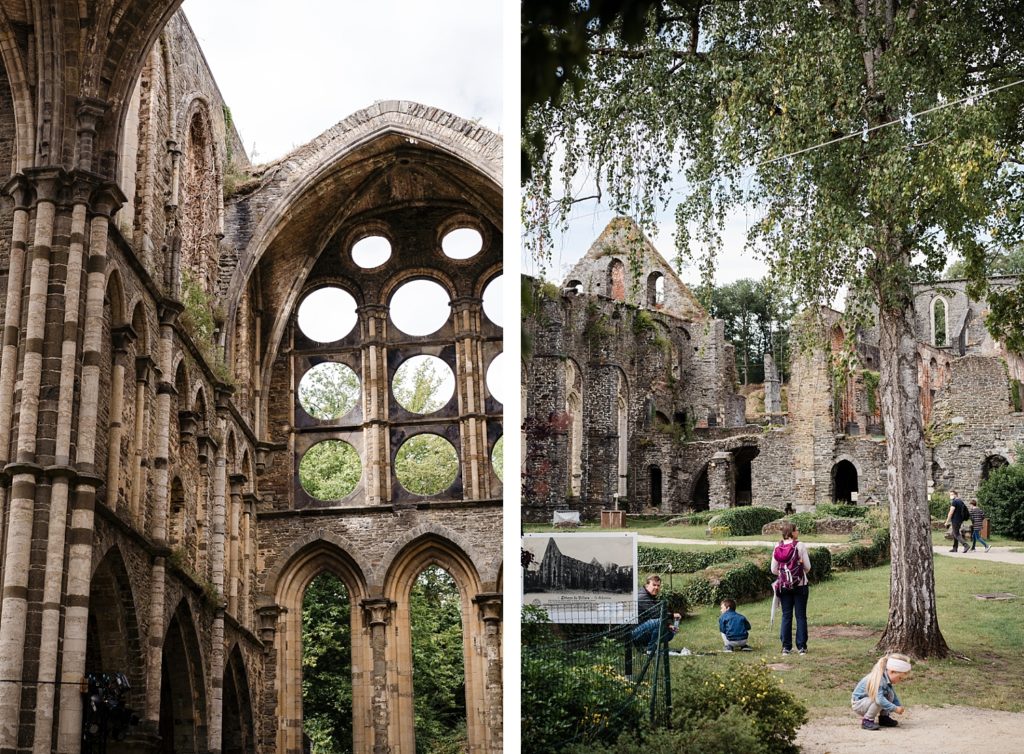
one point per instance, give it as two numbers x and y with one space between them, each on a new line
939 312
182 724
327 666
622 427
617 280
439 678
654 474
178 533
655 289
574 406
844 482
991 464
237 731
199 202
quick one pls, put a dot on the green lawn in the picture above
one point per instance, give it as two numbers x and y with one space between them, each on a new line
986 636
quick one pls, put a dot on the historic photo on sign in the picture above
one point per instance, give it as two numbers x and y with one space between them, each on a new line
581 578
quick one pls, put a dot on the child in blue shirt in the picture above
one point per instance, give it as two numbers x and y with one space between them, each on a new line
733 627
875 696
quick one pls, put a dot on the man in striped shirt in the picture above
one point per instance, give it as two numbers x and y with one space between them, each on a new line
977 517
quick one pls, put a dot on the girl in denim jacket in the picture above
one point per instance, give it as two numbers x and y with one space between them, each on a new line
875 696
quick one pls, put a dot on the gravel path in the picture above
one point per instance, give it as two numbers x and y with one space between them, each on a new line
935 730
999 554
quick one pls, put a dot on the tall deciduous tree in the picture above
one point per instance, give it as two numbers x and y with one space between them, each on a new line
866 135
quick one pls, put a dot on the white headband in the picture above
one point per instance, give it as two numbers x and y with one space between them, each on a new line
900 666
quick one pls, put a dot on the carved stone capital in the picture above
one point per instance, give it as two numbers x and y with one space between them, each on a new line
377 612
266 620
489 604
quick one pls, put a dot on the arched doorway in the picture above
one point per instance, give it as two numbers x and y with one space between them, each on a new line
992 463
654 474
844 482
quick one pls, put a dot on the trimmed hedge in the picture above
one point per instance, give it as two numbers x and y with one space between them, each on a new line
748 580
682 562
746 519
838 510
860 556
1002 498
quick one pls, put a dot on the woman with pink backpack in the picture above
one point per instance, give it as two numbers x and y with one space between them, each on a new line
791 564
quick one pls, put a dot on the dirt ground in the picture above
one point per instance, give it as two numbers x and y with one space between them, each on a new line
935 730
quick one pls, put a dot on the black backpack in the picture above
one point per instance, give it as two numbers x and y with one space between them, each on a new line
960 510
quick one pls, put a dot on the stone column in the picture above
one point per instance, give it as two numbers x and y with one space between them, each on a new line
62 472
144 369
217 567
489 605
105 202
24 472
373 321
378 615
169 311
471 390
249 504
122 338
721 482
772 390
234 550
19 189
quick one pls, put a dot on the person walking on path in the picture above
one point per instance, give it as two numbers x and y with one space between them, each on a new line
977 519
791 564
875 696
956 516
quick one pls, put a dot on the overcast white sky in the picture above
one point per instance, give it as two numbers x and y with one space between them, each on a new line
291 70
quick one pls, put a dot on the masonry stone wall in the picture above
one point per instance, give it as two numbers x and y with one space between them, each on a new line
976 422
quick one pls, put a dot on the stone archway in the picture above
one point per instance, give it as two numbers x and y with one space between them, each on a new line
237 735
432 550
743 476
182 725
844 482
701 496
654 477
991 463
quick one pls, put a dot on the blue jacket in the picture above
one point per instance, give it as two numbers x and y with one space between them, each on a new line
886 698
733 625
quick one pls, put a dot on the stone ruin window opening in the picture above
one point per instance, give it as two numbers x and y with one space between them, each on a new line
426 464
327 314
423 384
420 307
371 252
438 670
462 243
622 427
939 314
574 407
496 378
327 717
655 289
493 301
329 390
498 457
330 470
654 475
616 284
992 463
844 482
199 206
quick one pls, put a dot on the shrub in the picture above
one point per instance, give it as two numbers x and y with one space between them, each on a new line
700 518
700 693
938 504
660 559
748 580
719 532
564 700
837 510
746 519
732 732
863 556
1002 497
805 522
